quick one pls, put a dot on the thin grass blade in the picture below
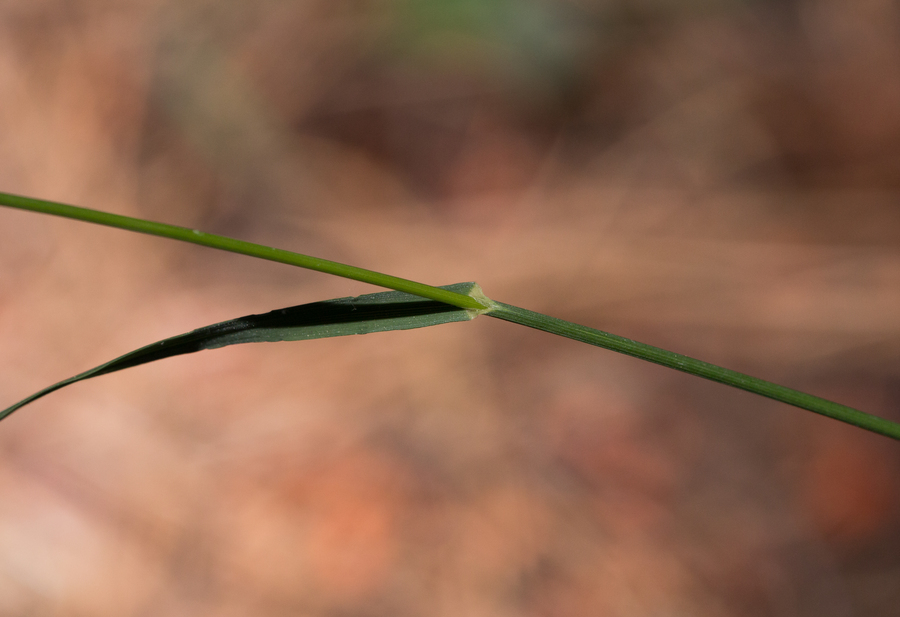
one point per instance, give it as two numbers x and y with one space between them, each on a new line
378 312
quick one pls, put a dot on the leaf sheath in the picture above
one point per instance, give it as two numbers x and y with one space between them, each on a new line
695 367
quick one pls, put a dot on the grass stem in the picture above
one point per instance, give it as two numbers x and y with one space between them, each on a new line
695 367
480 304
240 246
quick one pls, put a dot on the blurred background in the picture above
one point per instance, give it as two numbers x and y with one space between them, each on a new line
716 177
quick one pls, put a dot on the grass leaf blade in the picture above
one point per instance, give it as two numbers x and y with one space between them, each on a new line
378 312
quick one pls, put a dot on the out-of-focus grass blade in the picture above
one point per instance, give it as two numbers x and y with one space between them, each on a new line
378 312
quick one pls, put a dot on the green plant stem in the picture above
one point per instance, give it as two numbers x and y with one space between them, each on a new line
479 304
239 246
694 367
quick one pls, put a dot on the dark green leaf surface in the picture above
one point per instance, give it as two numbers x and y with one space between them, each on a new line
378 312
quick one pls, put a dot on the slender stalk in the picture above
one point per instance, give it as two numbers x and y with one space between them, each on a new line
694 367
239 246
476 302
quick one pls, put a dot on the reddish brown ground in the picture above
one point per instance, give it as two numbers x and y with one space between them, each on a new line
722 181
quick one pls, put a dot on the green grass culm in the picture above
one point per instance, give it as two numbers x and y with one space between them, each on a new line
468 299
